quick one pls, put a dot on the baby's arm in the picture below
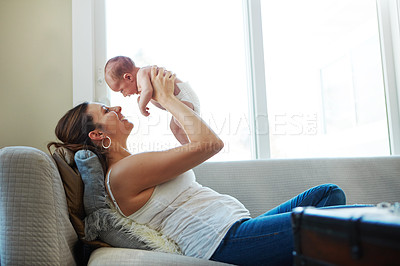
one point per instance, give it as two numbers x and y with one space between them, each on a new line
143 99
146 90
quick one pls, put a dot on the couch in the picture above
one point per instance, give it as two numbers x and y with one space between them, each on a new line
36 227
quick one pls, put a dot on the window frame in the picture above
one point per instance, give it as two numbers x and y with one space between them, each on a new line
89 55
256 79
88 51
389 35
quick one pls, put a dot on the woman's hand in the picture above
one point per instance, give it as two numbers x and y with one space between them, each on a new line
163 83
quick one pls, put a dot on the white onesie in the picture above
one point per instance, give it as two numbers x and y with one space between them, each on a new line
187 94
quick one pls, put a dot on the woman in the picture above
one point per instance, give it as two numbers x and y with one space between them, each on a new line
159 189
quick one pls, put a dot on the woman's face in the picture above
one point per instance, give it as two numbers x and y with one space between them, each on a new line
111 119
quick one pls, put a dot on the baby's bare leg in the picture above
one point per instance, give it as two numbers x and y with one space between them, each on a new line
157 104
189 104
178 131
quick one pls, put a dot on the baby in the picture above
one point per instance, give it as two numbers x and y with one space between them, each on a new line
122 75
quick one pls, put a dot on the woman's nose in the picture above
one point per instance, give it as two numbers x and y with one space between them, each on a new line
116 109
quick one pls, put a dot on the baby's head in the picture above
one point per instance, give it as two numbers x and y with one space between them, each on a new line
120 75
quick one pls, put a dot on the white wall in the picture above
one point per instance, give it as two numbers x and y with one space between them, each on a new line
35 69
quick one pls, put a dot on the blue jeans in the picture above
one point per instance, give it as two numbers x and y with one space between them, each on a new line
268 238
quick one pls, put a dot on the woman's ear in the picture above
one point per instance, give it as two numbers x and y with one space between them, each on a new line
96 135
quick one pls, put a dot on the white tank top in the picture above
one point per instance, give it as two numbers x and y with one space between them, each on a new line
195 217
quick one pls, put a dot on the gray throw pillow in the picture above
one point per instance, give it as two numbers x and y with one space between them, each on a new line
89 166
99 221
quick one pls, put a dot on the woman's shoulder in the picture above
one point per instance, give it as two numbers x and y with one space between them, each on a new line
121 166
118 172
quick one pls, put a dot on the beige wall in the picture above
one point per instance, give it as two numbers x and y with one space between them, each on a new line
35 69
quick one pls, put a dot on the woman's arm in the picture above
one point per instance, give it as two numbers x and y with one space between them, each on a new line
145 170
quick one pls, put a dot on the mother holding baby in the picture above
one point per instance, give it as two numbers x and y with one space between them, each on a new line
159 189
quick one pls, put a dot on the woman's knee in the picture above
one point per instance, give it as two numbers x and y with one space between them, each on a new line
336 195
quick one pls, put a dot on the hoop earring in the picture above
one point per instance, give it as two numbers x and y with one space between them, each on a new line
102 143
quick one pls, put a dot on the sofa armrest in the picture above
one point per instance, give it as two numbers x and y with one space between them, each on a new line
34 223
123 256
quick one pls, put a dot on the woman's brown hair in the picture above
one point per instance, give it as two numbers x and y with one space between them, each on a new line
73 132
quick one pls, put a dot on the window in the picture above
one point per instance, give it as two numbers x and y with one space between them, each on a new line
324 80
310 78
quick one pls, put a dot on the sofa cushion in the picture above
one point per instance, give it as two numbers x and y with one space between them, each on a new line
73 187
122 257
